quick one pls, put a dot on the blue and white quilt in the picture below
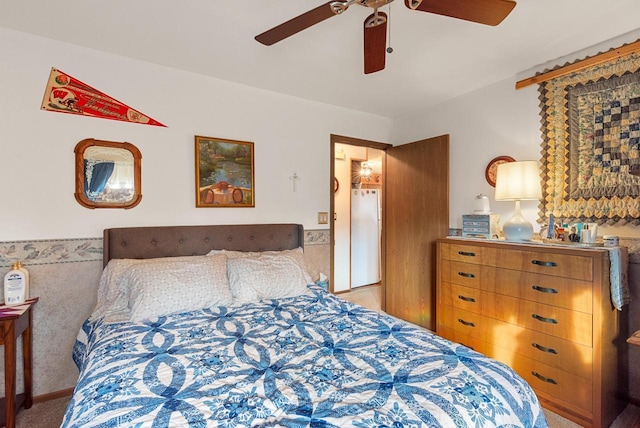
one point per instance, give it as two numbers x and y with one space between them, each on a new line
313 360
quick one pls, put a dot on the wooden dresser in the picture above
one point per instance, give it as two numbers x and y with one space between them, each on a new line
543 310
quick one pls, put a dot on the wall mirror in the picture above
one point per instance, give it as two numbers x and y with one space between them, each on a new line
107 174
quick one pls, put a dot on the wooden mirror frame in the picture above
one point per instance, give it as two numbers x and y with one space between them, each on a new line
80 194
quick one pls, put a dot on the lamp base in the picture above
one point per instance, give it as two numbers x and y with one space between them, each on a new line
517 228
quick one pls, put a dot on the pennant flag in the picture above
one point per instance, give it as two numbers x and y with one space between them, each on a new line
66 94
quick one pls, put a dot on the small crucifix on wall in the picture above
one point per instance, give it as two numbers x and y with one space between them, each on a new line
294 178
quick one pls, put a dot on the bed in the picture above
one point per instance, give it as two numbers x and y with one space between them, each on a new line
159 351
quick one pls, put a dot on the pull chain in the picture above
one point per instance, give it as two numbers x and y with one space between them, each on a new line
389 49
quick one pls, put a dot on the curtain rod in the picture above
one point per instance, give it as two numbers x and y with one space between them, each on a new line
624 50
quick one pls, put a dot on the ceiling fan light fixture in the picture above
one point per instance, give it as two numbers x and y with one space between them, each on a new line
375 20
338 7
374 4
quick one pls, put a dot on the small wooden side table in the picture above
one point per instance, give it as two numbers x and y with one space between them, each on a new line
16 321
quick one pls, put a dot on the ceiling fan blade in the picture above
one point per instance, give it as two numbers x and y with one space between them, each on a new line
300 23
488 12
375 41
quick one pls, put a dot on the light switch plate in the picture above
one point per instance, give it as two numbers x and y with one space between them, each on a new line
323 218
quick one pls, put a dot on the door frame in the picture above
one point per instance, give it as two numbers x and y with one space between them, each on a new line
341 139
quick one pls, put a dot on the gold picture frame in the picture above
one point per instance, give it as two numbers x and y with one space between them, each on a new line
225 175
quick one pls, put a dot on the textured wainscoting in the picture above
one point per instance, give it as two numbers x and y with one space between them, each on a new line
317 252
67 293
65 274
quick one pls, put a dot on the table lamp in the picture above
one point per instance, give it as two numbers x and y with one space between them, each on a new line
517 181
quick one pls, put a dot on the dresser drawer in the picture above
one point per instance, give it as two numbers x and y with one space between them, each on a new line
564 265
559 384
459 320
462 253
461 297
549 350
468 328
466 274
566 293
563 323
464 339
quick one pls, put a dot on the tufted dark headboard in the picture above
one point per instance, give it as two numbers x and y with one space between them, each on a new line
169 241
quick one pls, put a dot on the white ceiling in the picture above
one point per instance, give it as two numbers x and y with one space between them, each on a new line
435 58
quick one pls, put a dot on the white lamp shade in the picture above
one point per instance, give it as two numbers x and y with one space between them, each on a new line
518 181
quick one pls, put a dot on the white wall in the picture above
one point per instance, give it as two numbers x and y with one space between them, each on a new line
492 121
37 158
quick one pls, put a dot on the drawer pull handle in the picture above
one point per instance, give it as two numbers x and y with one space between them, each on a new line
544 289
466 275
466 299
544 349
544 264
544 379
466 254
545 319
467 323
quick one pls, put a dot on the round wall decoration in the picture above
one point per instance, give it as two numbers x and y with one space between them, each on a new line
492 168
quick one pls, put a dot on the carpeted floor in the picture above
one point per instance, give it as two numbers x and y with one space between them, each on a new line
47 414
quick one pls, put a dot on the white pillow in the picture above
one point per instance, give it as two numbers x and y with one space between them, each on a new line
112 303
113 290
297 254
267 276
177 286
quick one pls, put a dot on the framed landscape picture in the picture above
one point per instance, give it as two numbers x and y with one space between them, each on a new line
224 173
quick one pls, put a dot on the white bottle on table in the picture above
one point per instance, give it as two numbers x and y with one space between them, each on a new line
14 286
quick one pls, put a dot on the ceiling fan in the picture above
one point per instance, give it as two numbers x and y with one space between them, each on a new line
488 12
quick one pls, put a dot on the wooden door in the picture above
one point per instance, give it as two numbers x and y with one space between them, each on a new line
416 213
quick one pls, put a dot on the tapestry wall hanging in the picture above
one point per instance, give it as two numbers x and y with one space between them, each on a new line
591 144
66 94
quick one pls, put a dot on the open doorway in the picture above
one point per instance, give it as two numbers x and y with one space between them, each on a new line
357 203
415 213
358 217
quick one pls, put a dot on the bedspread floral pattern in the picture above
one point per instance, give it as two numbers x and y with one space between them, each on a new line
311 360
